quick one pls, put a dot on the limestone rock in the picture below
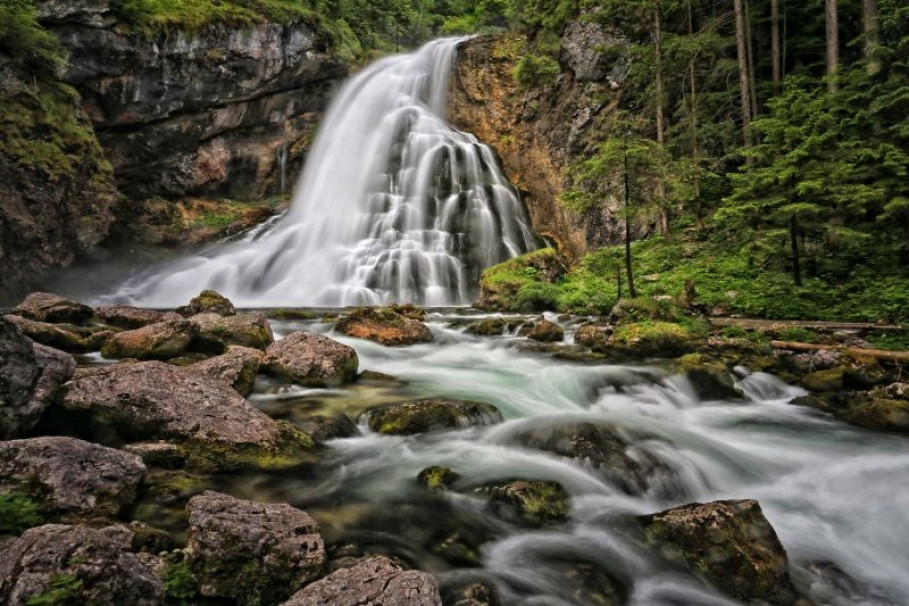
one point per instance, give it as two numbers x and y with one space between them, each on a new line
384 325
70 477
238 366
51 335
19 373
373 582
51 308
208 302
730 543
102 568
217 333
156 341
251 552
123 316
419 416
310 359
546 332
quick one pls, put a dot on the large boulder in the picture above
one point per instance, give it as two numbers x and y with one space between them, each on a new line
19 372
880 413
57 564
376 580
71 479
63 337
419 416
545 332
730 543
153 400
251 552
47 307
237 366
593 336
160 341
128 318
524 502
384 325
216 333
208 301
310 359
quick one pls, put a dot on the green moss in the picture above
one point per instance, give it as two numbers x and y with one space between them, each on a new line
154 16
654 338
179 583
18 513
292 448
437 478
64 588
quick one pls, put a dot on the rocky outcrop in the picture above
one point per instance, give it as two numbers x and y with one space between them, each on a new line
419 416
383 325
310 359
376 580
72 479
237 366
83 565
251 552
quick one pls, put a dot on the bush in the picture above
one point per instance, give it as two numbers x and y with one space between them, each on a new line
534 70
18 513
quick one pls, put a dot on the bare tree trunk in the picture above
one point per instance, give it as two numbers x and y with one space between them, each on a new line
833 44
872 35
693 122
775 43
752 94
796 261
628 271
660 108
743 71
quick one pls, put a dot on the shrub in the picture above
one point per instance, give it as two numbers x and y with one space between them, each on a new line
18 513
534 70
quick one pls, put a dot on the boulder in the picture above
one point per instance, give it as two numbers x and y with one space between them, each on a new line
384 325
48 307
19 373
880 413
593 336
730 543
376 580
493 327
250 552
153 400
328 427
51 335
158 453
830 379
710 380
470 593
419 416
128 318
216 333
238 366
77 565
546 332
161 341
528 503
310 359
72 479
438 477
208 301
652 338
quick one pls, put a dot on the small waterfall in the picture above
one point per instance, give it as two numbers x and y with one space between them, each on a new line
281 165
394 205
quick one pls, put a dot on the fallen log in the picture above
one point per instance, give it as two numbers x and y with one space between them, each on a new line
855 352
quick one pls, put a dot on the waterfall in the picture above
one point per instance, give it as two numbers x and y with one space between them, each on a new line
394 205
281 165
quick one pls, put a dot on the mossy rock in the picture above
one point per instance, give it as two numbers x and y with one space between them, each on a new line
438 477
436 414
493 327
292 447
501 284
710 380
208 301
824 380
881 414
290 314
653 338
385 325
530 503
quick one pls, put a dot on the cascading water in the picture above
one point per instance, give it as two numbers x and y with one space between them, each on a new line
394 206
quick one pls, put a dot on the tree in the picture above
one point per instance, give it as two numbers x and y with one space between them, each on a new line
833 43
744 80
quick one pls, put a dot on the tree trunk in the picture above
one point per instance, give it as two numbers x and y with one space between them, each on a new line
796 261
775 43
833 44
660 108
628 271
872 35
743 71
752 86
618 280
694 134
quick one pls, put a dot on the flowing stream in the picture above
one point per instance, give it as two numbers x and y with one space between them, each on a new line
394 205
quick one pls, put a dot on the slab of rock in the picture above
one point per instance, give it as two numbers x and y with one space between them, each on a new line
730 543
128 318
154 400
528 503
159 341
251 552
208 301
158 453
237 366
310 359
104 570
51 335
384 325
216 333
419 416
48 307
374 581
19 372
72 479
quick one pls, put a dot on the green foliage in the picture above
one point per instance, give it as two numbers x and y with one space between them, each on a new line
65 589
18 513
801 335
153 16
179 583
25 42
533 71
537 296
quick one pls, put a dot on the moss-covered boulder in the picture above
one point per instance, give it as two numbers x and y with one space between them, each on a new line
593 336
252 553
208 301
830 379
237 366
545 331
493 327
384 325
438 477
880 413
60 336
129 318
48 307
435 414
501 285
160 341
730 543
310 359
526 502
215 333
652 338
710 380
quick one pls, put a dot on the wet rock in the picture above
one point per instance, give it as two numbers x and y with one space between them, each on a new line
160 454
438 477
129 318
208 301
585 582
384 325
409 310
710 380
894 391
153 400
161 341
323 428
19 373
310 359
730 543
51 335
216 333
546 332
51 308
863 372
376 580
238 366
824 380
593 336
470 593
528 503
881 413
149 539
493 327
252 552
419 416
83 565
72 479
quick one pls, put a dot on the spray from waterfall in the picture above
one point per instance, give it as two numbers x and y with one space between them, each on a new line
394 205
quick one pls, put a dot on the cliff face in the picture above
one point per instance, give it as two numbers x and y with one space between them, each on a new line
539 132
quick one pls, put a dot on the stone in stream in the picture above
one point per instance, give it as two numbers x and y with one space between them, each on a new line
313 360
593 336
53 335
730 543
710 380
250 552
216 425
524 502
77 565
544 331
435 414
438 477
216 332
384 325
493 327
237 366
51 308
208 301
129 318
376 580
71 479
159 341
881 414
